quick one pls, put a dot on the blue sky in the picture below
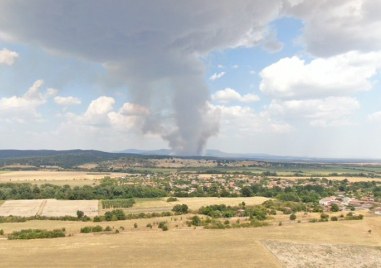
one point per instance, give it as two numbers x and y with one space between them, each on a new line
286 77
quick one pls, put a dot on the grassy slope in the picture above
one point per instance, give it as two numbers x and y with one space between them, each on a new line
183 247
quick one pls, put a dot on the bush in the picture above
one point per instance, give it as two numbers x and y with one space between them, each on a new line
292 217
180 209
149 225
163 226
36 234
135 225
334 218
196 221
172 199
118 203
107 229
91 229
1 232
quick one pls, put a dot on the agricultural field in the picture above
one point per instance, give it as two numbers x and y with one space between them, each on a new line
48 207
160 204
188 247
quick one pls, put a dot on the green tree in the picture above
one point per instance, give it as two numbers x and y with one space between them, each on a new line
80 214
335 208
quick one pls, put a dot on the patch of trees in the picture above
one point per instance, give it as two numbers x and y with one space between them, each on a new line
108 189
36 234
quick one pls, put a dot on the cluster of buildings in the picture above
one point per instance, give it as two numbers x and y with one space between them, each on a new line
348 203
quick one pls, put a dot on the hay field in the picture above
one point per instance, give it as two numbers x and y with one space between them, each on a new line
194 203
185 247
56 177
69 207
48 207
25 208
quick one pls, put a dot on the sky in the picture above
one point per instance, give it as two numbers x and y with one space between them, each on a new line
282 77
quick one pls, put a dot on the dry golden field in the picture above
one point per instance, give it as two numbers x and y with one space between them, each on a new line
188 247
48 207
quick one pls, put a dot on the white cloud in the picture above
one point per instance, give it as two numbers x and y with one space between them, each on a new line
67 101
328 112
243 121
217 76
335 27
339 75
230 95
25 107
8 57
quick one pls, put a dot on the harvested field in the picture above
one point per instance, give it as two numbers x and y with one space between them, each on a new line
57 208
194 203
25 208
324 255
48 207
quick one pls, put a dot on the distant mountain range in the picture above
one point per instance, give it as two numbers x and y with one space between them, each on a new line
262 157
76 157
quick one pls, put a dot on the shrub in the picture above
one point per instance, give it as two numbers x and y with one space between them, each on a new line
292 217
118 203
180 209
36 233
91 229
149 225
107 229
135 225
196 221
334 218
163 226
1 232
172 199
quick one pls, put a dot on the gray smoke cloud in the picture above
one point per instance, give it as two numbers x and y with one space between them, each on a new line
155 47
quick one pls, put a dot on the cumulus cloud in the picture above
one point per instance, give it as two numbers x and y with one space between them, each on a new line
25 107
230 95
335 27
327 112
244 120
153 47
102 114
216 76
343 74
67 101
8 57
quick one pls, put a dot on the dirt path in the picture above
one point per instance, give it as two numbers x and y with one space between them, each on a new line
41 208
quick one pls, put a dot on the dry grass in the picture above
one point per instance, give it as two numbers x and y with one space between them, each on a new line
55 177
179 247
194 203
